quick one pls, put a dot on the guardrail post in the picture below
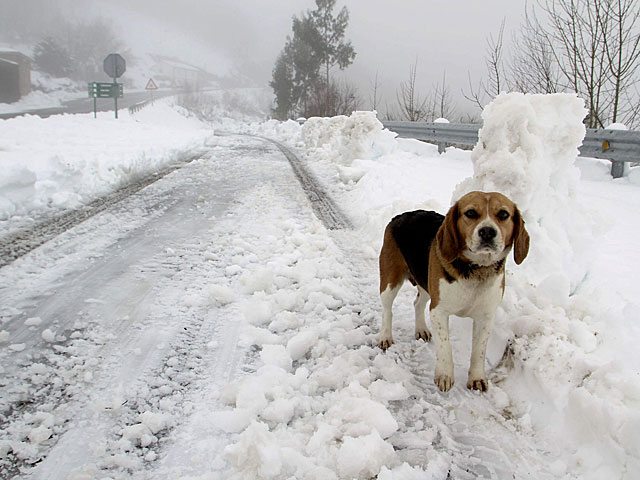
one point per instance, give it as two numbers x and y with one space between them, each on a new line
617 169
441 147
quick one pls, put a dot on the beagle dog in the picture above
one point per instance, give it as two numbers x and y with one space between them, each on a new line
457 261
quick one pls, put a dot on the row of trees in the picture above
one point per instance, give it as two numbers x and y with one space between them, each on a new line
591 47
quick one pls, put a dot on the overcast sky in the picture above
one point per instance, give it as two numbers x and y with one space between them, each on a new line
387 35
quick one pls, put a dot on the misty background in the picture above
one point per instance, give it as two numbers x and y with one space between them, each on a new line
239 41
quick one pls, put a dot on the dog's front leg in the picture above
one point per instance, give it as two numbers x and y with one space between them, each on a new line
482 326
443 377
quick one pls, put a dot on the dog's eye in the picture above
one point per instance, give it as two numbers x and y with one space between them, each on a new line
503 215
471 213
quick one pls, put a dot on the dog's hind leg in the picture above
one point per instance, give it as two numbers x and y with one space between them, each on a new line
420 303
393 272
387 296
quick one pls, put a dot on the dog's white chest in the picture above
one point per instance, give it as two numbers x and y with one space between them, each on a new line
470 297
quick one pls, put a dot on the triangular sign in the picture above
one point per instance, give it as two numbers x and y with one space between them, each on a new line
151 85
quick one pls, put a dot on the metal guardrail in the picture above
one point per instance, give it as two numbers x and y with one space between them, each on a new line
617 146
136 107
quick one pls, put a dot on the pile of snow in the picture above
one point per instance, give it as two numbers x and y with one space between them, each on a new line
571 373
561 325
289 131
526 150
65 161
342 139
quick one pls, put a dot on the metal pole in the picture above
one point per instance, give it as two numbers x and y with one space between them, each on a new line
115 96
95 113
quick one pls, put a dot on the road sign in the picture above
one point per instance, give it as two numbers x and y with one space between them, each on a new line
105 90
114 65
151 85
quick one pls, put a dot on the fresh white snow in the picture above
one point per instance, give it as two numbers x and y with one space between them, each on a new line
240 339
68 160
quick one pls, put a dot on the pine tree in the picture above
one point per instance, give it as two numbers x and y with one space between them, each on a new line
331 46
317 44
282 84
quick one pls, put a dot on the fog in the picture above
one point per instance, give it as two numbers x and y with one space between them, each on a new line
388 37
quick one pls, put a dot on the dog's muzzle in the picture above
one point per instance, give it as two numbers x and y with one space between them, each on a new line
487 237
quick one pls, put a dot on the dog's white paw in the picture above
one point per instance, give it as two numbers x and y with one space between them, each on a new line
423 334
478 384
385 342
444 382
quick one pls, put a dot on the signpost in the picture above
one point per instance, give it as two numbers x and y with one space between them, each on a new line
151 86
114 66
105 90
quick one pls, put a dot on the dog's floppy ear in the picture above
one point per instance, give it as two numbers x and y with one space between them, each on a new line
448 237
520 238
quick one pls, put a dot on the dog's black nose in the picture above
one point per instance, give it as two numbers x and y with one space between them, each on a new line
487 233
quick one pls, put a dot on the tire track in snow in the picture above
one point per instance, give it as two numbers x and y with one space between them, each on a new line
116 343
19 243
323 205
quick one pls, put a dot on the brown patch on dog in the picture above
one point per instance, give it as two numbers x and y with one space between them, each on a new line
521 238
436 272
448 236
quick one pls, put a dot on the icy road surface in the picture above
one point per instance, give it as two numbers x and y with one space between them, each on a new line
122 332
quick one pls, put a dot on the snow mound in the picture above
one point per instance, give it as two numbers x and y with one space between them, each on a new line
570 360
343 139
526 150
72 159
562 344
289 130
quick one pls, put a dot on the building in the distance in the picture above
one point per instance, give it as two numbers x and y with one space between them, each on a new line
178 74
15 76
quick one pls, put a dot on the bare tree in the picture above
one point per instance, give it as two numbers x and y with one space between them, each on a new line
577 37
389 113
622 47
375 96
412 107
495 83
533 66
472 118
590 47
443 105
338 99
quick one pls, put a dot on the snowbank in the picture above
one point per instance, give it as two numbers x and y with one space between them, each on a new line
342 139
572 368
527 149
72 159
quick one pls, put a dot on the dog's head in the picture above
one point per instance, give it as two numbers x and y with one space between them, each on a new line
483 227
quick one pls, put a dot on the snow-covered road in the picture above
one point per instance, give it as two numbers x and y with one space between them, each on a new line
119 305
131 333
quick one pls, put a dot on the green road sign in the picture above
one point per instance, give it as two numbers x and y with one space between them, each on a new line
105 90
